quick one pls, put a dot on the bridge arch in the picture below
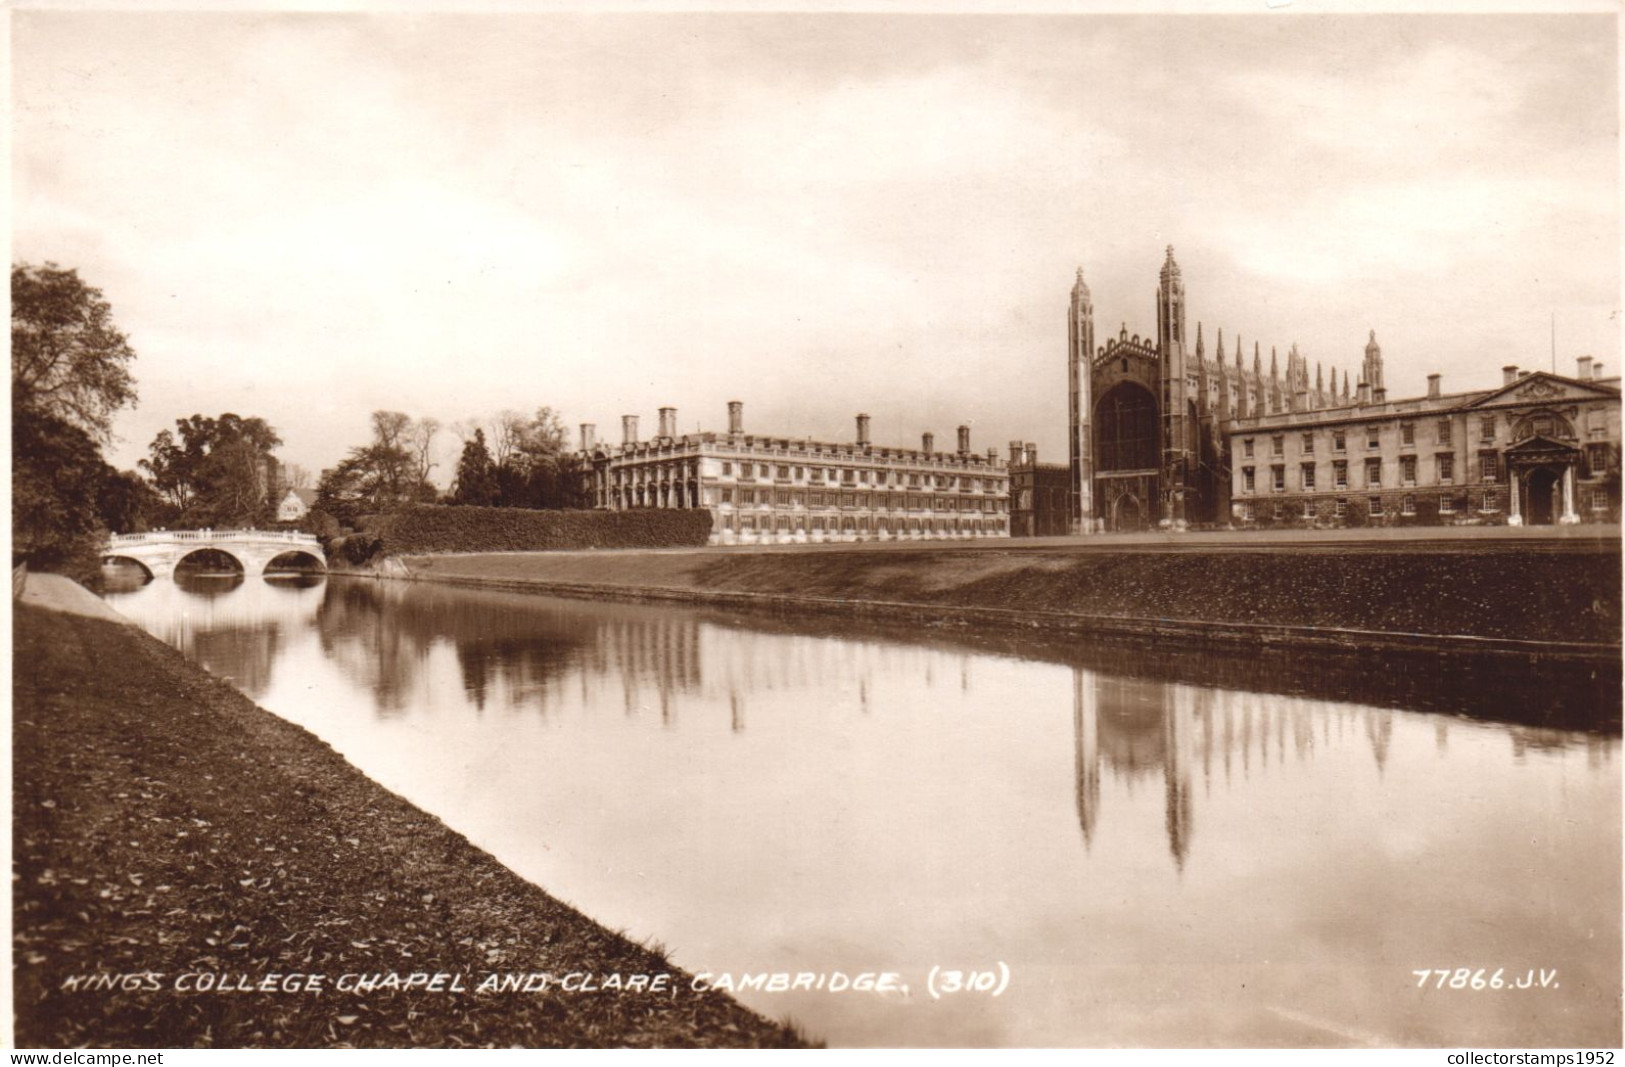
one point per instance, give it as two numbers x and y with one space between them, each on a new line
242 564
296 557
116 557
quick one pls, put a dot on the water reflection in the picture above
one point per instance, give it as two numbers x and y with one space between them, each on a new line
1210 863
235 630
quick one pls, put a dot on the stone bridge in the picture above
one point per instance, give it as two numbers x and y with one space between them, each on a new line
160 550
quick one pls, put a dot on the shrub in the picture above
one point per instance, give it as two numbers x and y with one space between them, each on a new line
436 528
320 523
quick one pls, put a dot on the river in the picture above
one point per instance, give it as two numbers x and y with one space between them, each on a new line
1133 848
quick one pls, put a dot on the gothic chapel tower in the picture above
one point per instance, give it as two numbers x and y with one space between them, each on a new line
1080 352
1177 461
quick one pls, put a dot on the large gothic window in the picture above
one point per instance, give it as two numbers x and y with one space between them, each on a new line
1127 430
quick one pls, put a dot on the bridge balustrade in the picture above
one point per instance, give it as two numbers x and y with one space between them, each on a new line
158 536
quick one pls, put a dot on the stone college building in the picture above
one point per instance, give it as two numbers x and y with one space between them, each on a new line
1164 435
766 489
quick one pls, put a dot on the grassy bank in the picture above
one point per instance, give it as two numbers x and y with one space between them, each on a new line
165 826
1510 596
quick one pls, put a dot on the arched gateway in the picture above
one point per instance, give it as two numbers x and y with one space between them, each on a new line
161 550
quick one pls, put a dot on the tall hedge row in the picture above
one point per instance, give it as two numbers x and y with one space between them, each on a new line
448 528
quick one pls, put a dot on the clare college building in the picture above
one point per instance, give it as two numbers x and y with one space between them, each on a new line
1165 434
765 489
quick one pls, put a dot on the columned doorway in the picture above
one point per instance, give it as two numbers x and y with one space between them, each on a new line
1541 496
1542 473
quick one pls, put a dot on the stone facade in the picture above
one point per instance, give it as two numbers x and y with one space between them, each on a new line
782 490
1040 496
1540 449
1164 435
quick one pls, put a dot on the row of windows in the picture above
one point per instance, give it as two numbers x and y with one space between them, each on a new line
1371 436
859 524
1444 465
857 476
1376 506
896 501
818 475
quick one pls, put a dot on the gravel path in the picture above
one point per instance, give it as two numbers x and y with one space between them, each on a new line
53 592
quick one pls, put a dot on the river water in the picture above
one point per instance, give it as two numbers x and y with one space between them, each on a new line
1138 848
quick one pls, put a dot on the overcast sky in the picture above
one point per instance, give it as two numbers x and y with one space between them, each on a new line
308 217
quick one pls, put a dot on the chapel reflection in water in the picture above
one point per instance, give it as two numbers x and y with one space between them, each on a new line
1138 730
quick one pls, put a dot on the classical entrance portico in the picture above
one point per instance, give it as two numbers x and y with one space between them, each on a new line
1542 481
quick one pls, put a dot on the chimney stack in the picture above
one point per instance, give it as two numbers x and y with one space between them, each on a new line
1364 394
1030 455
588 433
1585 368
1596 371
1015 453
668 422
928 442
736 416
964 440
629 429
992 457
1433 387
1509 374
863 431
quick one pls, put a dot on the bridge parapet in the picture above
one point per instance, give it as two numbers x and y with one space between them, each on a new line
153 537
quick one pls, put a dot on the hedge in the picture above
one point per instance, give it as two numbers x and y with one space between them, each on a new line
451 528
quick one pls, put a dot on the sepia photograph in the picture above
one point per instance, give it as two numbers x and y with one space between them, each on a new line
719 525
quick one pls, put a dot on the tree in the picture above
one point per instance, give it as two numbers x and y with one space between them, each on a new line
128 504
295 476
476 474
220 471
506 430
375 477
529 471
57 479
237 485
420 436
67 359
543 438
69 374
388 459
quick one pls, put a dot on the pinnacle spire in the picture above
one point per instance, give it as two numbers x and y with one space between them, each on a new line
1170 269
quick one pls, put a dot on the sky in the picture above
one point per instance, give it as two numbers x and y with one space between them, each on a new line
307 217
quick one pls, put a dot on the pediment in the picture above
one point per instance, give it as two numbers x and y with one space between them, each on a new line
1540 444
1543 388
